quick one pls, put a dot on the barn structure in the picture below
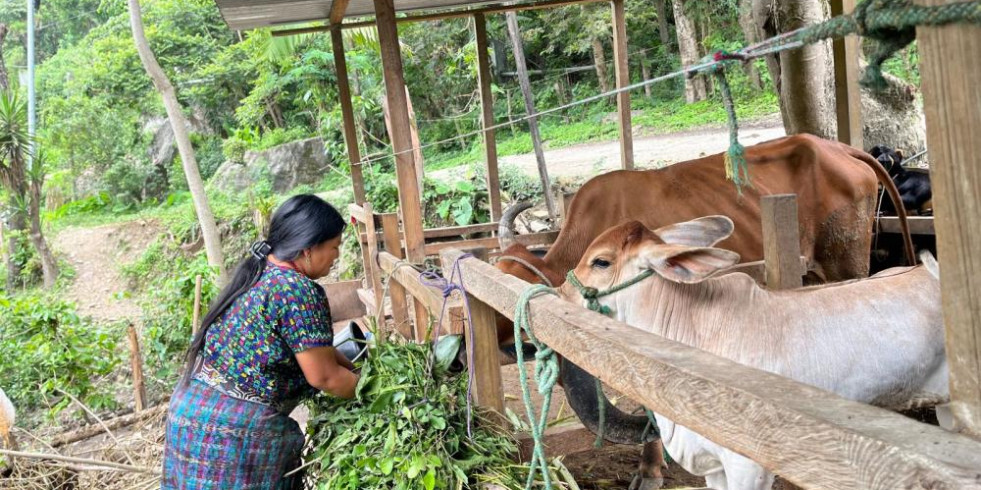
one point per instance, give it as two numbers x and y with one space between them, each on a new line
812 438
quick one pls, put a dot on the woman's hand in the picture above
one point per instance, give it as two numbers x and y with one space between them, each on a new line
323 369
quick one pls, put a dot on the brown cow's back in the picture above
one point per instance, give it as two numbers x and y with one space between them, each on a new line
835 190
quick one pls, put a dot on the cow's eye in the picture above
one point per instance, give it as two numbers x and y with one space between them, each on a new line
600 263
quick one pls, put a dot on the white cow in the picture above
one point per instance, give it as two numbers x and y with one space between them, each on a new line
878 340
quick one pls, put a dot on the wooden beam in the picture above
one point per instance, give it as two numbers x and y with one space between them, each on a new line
622 69
811 437
495 9
487 116
781 241
347 110
396 293
427 298
482 348
371 269
848 98
918 225
528 240
337 10
460 230
409 203
951 100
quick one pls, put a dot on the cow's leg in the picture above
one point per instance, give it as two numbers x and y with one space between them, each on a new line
650 475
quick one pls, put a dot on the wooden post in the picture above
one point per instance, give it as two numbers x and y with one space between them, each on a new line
622 68
781 241
409 203
374 273
139 389
482 349
196 314
519 59
393 245
487 116
848 98
347 114
951 102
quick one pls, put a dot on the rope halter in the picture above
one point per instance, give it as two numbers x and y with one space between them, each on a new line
592 295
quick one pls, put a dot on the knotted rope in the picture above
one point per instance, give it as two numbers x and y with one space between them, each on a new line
546 375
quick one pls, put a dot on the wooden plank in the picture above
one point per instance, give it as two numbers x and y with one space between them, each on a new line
347 110
371 270
460 230
427 299
559 440
811 437
622 69
344 302
918 225
487 116
848 99
367 298
357 212
409 203
529 240
951 102
482 348
400 306
781 241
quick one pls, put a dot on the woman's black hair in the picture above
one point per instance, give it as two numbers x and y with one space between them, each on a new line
303 221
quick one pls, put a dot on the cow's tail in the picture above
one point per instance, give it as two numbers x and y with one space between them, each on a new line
897 201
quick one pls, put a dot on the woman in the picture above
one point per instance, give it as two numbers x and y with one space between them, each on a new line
265 343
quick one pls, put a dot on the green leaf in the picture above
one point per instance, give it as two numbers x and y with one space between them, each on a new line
429 481
386 466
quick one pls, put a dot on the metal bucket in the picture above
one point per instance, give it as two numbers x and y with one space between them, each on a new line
352 342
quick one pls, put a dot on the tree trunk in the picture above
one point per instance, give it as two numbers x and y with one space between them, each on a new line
688 48
49 266
804 78
702 33
209 229
536 140
662 22
749 32
599 59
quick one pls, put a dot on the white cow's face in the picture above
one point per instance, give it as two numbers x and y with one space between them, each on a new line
680 253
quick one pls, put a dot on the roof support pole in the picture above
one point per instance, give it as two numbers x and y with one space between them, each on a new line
621 65
848 99
347 112
951 97
399 134
487 115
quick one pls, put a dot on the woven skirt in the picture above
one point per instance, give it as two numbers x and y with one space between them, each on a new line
215 441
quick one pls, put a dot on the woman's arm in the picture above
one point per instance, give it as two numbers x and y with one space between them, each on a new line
323 371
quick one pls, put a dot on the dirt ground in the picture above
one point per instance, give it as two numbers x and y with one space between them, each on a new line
97 254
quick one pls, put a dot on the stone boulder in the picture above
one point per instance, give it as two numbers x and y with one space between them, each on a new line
286 166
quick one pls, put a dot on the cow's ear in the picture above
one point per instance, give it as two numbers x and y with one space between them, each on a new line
688 265
701 232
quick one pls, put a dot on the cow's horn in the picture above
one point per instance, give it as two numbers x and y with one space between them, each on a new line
505 228
620 428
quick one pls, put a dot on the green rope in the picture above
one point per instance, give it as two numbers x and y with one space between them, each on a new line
891 25
735 158
592 295
546 375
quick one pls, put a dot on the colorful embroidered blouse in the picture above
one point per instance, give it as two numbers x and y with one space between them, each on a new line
250 351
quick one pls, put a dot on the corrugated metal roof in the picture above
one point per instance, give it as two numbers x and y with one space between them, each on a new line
249 14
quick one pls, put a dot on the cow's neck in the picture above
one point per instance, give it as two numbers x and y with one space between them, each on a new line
692 314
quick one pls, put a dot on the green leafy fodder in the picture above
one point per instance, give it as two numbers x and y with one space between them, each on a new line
406 429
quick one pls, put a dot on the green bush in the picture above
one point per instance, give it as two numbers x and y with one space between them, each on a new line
47 347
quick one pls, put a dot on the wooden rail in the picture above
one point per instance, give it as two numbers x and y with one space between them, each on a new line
430 298
811 437
918 225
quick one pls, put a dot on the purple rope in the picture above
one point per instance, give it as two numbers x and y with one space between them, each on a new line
432 279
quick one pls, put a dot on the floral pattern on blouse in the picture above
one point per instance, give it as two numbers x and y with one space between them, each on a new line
249 352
